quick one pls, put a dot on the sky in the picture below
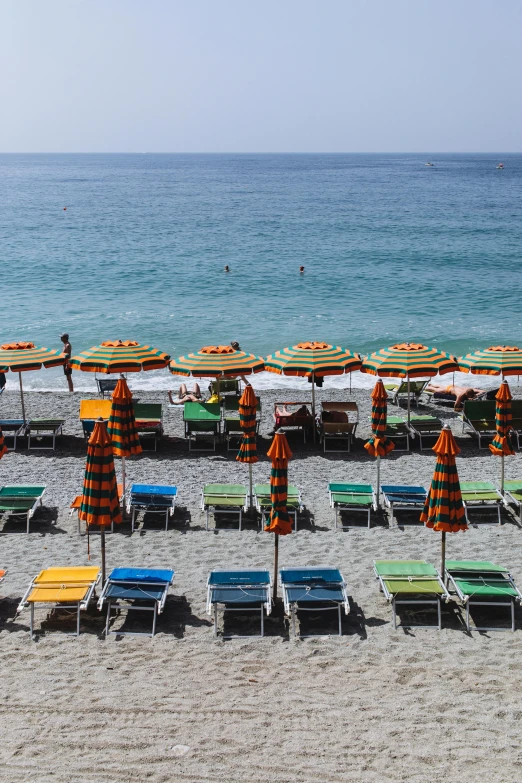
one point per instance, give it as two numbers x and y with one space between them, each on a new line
271 76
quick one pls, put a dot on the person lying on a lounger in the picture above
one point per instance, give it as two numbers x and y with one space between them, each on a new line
298 414
461 393
186 396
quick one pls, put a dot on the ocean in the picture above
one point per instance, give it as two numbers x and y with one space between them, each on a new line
393 250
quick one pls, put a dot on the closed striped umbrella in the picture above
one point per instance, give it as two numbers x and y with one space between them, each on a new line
214 361
117 356
24 356
313 360
409 360
3 447
501 445
379 445
121 426
247 421
443 510
496 360
99 503
279 522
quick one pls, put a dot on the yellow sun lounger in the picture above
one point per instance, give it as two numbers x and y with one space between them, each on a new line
66 588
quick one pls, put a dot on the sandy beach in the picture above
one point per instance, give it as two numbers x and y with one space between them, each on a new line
375 704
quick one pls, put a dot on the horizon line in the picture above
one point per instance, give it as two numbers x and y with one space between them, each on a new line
253 152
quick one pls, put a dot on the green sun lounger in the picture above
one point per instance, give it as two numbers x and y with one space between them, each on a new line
21 500
203 421
425 425
224 499
263 503
516 421
39 429
481 583
478 417
397 390
482 495
232 424
411 582
397 430
351 497
513 491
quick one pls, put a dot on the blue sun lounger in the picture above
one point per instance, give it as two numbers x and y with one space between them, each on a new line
404 497
319 588
152 499
136 590
239 591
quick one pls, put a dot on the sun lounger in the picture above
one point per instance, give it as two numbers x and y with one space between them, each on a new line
403 497
224 499
106 385
478 417
483 584
481 495
149 421
315 589
351 497
298 420
13 428
66 588
397 430
77 502
135 590
226 386
239 591
513 492
337 424
152 499
203 421
44 428
21 500
516 420
425 425
263 503
231 424
398 390
411 582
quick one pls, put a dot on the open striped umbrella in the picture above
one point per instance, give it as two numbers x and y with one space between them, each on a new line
379 445
247 421
443 510
24 356
313 360
409 360
121 426
501 445
496 360
214 361
279 522
117 356
99 503
3 447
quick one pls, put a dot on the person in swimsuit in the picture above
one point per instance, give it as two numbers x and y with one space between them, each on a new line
186 396
67 350
461 393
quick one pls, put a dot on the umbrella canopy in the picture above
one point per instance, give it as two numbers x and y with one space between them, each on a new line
247 421
443 510
501 445
214 361
3 447
121 426
99 503
379 445
409 360
279 522
496 360
117 356
313 359
24 356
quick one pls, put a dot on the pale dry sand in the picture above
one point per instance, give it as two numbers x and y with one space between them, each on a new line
376 704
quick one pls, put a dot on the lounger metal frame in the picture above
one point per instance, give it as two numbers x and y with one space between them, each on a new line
152 504
113 602
292 606
396 600
404 504
69 606
468 600
489 431
514 500
303 423
225 510
265 603
51 431
484 504
340 507
351 426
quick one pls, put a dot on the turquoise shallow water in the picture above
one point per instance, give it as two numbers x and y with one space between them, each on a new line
393 250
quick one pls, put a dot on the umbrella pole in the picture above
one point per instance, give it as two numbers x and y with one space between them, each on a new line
123 478
313 403
502 475
251 503
408 401
102 539
276 563
443 556
378 481
22 396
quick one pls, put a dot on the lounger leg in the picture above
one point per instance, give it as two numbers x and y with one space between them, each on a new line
263 621
439 614
295 521
31 622
78 620
335 516
215 619
107 623
167 520
293 620
467 615
499 517
132 519
154 618
240 518
394 615
369 517
207 519
28 518
340 628
513 615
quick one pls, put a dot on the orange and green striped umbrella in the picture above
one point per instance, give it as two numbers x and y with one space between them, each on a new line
409 360
247 421
279 522
379 445
121 426
117 356
501 445
496 360
443 510
99 503
24 356
214 361
313 360
3 447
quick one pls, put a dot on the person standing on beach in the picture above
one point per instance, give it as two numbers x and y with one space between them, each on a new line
67 350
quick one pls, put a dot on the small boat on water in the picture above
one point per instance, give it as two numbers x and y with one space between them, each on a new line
500 166
428 164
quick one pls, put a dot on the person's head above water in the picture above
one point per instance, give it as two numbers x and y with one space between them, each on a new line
226 268
301 269
64 337
235 345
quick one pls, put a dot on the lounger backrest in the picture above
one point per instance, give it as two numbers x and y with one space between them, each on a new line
479 410
359 489
201 411
148 410
225 386
239 578
310 575
95 409
151 575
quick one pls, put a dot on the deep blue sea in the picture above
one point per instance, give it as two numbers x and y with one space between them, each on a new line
392 249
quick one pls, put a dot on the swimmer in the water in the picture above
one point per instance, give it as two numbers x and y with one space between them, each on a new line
301 269
227 268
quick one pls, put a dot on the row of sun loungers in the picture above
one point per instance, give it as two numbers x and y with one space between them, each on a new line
404 583
40 433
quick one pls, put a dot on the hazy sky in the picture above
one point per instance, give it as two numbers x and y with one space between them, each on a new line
270 76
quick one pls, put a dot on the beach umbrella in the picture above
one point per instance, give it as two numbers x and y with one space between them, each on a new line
121 426
279 522
501 445
496 360
247 421
117 356
24 356
99 503
3 447
313 360
409 360
443 510
379 445
217 361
